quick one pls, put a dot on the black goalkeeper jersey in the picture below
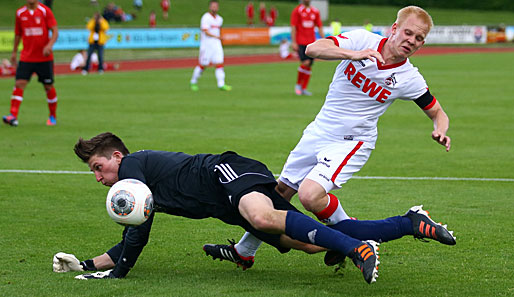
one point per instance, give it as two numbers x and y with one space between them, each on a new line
181 184
193 186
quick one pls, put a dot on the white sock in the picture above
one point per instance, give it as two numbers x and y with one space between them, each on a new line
248 245
220 76
197 72
333 213
338 216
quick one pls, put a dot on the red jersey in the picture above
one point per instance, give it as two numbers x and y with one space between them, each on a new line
33 27
165 5
273 13
262 14
152 21
249 10
304 19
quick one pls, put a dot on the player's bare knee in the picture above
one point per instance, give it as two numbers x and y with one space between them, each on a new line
264 222
20 84
308 198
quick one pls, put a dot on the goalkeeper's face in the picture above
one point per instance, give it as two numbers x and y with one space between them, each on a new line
106 169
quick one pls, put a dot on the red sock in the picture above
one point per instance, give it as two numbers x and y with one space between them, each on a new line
306 76
16 99
51 98
326 213
300 78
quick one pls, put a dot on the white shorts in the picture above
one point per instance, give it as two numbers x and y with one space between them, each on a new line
328 161
212 54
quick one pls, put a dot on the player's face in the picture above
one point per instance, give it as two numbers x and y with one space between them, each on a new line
106 170
408 37
214 7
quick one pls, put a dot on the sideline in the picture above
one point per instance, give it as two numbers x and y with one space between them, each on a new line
276 175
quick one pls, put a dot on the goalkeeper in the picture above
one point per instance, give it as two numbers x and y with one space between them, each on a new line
232 188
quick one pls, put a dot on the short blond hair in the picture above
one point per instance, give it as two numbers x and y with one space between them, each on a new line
419 12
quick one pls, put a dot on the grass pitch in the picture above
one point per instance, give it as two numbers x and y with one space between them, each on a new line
261 118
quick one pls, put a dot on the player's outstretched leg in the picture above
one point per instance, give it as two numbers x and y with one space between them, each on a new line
228 252
365 257
425 227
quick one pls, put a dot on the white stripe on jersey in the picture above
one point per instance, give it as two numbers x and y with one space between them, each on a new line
230 170
227 172
230 174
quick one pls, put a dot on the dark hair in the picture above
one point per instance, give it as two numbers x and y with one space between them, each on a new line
103 145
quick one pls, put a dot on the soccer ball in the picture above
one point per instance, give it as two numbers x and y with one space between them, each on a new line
129 202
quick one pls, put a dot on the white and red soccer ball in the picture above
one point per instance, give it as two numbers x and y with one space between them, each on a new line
129 202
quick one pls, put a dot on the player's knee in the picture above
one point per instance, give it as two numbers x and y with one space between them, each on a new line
20 84
309 197
263 221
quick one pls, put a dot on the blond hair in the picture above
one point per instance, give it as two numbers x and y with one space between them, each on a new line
419 12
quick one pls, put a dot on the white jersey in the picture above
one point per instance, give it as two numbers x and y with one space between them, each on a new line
284 49
211 23
361 91
339 141
79 61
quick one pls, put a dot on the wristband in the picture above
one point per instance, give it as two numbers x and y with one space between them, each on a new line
88 265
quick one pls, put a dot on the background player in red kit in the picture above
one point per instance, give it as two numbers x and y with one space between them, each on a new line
262 12
165 5
33 21
250 13
303 20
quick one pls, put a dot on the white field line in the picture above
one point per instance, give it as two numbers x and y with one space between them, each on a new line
276 175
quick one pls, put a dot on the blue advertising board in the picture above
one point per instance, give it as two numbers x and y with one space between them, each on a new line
73 39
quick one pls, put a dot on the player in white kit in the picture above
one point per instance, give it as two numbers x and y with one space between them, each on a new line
211 50
373 73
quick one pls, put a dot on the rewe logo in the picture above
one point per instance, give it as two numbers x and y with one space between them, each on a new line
365 84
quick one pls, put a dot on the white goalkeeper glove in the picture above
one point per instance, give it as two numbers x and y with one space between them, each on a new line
66 262
97 275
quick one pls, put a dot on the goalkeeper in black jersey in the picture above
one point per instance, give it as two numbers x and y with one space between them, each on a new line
232 188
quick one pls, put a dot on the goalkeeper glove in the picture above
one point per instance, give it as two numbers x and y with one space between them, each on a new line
97 275
63 262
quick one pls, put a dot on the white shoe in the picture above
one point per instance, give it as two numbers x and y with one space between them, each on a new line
84 72
306 93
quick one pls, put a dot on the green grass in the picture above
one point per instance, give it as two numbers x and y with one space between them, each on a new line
261 118
73 13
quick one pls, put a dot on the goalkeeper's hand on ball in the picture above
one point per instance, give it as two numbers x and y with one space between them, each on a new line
63 262
97 275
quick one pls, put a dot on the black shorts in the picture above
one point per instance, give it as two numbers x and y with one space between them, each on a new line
302 55
44 71
239 176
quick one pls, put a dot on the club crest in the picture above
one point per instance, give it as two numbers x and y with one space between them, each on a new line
391 80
